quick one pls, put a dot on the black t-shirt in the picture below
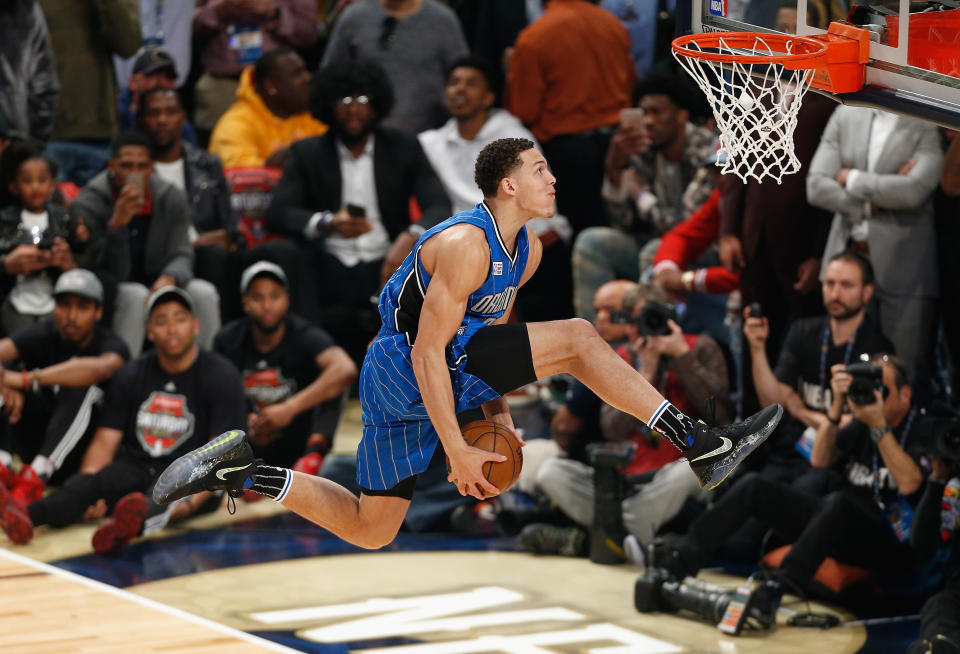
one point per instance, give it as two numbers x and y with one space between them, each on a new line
40 345
275 376
857 454
799 364
163 415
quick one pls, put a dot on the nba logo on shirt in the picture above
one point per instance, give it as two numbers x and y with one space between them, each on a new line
497 267
718 7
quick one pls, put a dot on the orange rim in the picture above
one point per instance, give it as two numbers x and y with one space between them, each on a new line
804 51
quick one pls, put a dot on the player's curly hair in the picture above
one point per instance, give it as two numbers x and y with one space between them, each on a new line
333 83
496 161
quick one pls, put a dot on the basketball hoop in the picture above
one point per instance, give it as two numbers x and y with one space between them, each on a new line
755 83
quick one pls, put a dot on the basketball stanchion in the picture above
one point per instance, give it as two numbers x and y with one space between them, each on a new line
755 83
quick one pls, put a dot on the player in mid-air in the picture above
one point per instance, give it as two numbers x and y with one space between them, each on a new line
445 346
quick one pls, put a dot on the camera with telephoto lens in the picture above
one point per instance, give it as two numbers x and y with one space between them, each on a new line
751 604
866 378
653 317
607 531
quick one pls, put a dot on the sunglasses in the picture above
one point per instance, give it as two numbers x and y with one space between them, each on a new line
361 100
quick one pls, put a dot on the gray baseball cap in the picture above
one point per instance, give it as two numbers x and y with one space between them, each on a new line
79 282
167 294
260 269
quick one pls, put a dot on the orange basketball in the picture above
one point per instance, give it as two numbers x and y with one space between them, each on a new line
486 435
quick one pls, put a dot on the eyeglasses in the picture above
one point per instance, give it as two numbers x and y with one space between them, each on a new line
387 35
361 100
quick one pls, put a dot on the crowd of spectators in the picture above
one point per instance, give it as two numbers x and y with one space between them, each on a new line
199 202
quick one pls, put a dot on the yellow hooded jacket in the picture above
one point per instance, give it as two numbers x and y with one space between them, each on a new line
248 132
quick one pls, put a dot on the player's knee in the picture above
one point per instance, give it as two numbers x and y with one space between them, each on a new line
580 331
376 537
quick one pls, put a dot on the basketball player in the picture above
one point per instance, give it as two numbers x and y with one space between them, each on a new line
445 347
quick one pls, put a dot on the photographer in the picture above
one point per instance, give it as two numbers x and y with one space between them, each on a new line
935 525
690 370
865 523
801 381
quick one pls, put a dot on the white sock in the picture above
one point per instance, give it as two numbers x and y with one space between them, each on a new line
43 467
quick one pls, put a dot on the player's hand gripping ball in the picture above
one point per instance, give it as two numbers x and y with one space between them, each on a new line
486 435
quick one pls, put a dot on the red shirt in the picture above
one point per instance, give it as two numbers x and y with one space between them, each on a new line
684 244
571 71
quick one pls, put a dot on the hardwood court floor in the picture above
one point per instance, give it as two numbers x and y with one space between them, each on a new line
49 611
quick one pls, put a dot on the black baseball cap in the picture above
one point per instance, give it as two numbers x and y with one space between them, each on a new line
169 294
153 60
262 269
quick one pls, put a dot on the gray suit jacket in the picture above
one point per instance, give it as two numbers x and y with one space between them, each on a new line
901 235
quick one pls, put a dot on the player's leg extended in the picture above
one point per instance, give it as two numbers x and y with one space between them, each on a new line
227 462
574 347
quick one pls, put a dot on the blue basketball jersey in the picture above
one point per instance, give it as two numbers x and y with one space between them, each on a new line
398 438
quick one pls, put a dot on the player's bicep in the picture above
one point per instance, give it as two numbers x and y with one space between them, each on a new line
459 266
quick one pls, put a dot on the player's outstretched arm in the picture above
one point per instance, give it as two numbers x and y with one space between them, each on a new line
458 260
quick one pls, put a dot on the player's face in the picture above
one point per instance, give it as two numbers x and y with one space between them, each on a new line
266 302
844 294
662 120
467 93
172 328
534 185
75 317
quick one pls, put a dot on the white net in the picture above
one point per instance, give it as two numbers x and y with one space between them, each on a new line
755 106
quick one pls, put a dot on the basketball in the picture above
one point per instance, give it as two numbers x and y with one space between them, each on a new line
486 435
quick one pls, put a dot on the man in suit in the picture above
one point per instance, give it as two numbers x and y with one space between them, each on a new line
877 172
346 196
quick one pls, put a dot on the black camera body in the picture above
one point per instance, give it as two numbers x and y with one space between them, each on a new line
610 455
653 317
866 378
756 311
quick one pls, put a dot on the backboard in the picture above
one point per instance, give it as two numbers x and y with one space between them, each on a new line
914 64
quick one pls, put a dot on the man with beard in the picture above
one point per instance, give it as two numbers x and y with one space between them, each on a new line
294 375
270 113
165 402
52 405
801 380
347 194
218 245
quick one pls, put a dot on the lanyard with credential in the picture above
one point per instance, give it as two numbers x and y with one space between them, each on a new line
876 460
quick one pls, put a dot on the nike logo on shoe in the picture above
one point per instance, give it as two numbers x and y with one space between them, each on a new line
224 471
725 446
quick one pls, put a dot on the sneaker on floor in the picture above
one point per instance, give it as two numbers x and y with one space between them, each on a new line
540 538
309 464
225 463
729 445
28 487
123 526
14 519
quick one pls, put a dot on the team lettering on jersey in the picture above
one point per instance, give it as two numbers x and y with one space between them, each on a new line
495 303
164 421
267 386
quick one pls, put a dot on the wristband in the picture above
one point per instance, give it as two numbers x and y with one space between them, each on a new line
23 383
836 422
876 433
